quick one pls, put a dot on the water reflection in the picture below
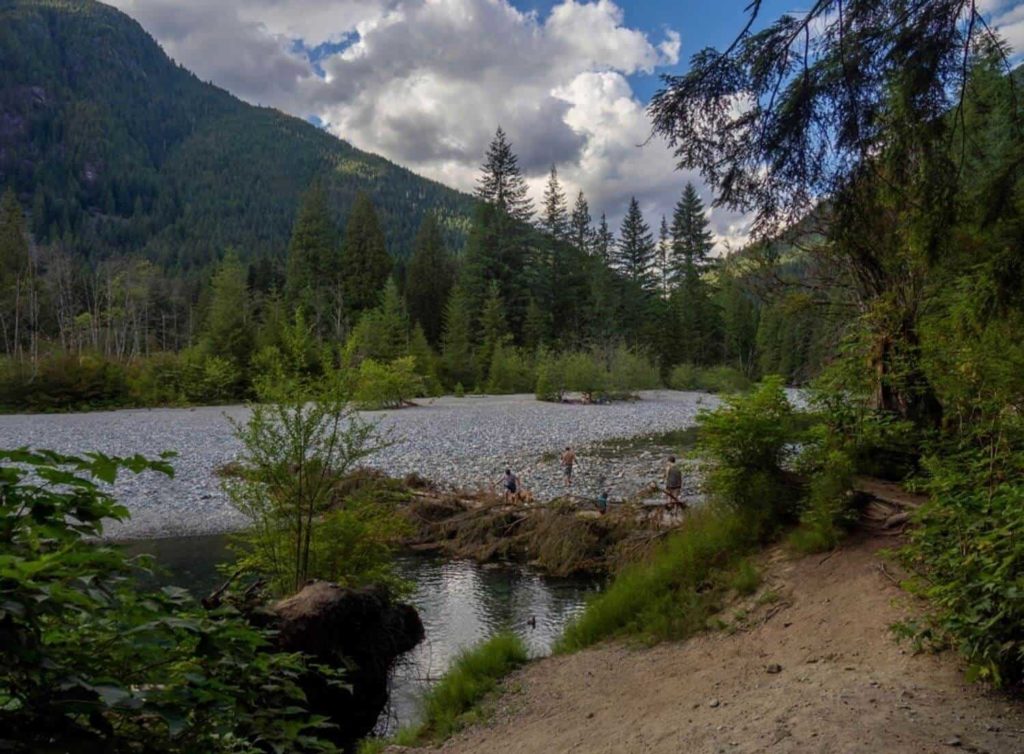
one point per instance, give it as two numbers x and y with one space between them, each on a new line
460 603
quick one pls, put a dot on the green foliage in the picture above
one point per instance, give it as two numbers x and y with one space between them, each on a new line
748 438
63 383
629 370
828 512
391 385
429 279
745 579
89 662
510 371
383 332
672 593
296 444
720 379
365 264
312 278
458 361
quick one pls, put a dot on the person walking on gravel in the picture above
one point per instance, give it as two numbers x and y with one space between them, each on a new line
673 483
568 461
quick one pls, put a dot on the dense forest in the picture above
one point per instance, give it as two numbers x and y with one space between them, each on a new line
146 214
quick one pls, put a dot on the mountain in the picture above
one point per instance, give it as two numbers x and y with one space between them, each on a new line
115 149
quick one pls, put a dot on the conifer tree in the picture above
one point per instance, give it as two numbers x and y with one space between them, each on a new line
535 327
692 240
493 329
497 251
365 263
429 279
312 278
693 296
664 258
228 332
502 183
604 242
580 232
457 358
634 256
555 218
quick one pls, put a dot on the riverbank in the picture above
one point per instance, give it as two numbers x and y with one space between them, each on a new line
806 664
458 442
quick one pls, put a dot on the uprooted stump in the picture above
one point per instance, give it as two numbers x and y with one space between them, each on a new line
557 537
361 631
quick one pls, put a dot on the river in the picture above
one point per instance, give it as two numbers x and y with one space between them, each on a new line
460 603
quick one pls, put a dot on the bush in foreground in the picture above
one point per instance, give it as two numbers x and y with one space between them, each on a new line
89 662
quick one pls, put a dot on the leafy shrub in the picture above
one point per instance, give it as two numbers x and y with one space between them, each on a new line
970 552
828 513
510 372
64 382
299 443
158 380
89 662
582 373
629 371
684 377
749 439
719 379
550 379
387 385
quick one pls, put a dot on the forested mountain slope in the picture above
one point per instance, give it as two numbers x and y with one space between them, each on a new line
117 149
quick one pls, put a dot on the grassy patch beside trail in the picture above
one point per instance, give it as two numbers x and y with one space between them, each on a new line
452 702
672 594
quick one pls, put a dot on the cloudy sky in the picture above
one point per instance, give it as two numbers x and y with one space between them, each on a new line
425 82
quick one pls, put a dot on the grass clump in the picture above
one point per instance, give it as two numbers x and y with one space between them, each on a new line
745 579
452 703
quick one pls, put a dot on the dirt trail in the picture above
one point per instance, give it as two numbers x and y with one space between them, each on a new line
815 671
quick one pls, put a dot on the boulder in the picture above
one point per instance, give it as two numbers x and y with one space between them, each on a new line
362 631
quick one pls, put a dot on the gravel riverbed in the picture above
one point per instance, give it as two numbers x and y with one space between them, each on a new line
458 442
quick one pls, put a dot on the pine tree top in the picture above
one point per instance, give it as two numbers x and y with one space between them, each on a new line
556 214
501 182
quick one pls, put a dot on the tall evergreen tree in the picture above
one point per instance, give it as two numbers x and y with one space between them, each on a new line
664 258
635 254
229 332
365 263
580 232
312 278
429 279
502 183
497 250
692 240
693 297
604 241
555 217
457 358
493 329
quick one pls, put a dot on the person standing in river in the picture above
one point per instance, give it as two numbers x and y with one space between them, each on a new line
568 461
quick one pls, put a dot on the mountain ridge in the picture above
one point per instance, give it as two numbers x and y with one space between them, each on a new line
116 149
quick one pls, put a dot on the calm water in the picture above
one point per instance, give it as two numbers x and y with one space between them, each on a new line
460 603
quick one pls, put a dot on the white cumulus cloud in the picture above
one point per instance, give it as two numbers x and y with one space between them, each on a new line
426 82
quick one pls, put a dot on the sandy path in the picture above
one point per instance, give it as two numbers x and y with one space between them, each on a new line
844 685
